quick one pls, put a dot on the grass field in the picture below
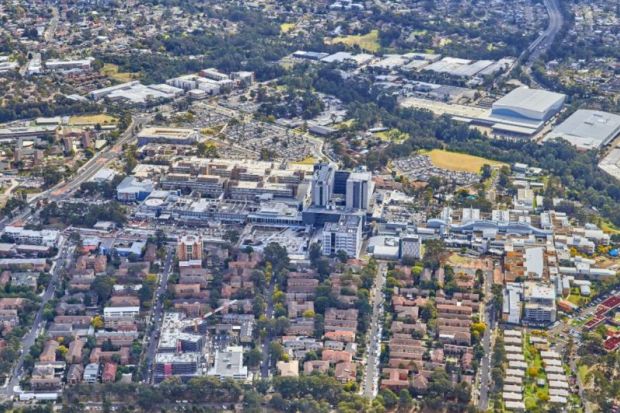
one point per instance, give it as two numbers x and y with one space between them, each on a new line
101 119
392 135
111 70
368 42
287 27
310 160
213 130
609 228
534 395
454 161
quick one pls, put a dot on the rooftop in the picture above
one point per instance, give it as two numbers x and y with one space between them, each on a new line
588 129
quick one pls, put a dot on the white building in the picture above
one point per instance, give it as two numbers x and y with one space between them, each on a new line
323 184
229 364
345 235
528 104
359 190
539 303
121 312
21 235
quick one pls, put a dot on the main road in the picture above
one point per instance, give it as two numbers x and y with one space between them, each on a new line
373 351
544 40
156 316
95 164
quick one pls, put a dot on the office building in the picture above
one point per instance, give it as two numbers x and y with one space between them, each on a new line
322 184
344 235
359 190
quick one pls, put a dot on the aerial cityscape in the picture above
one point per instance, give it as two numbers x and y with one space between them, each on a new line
352 206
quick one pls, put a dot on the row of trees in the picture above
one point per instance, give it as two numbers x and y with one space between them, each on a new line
84 215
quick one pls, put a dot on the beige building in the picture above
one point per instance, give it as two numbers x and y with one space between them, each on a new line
189 247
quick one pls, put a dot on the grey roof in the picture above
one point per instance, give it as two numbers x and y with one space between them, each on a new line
532 99
131 183
588 129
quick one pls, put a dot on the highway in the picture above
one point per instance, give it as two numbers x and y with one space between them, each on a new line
157 315
542 43
373 351
546 38
64 255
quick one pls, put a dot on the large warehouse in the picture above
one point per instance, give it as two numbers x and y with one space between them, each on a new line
522 112
529 104
588 129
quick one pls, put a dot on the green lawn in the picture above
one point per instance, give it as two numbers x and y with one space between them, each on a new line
533 395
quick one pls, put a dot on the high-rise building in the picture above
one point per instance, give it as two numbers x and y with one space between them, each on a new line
359 190
322 184
539 305
189 247
344 235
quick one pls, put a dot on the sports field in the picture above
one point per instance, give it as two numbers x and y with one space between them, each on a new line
461 162
368 42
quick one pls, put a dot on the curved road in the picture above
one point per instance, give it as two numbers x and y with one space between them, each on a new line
546 38
542 43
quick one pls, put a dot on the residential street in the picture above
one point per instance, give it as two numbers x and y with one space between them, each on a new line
64 256
373 351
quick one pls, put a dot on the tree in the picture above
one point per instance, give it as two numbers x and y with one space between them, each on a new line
276 254
103 286
432 253
231 236
207 150
486 171
253 357
405 401
342 256
390 400
97 322
314 253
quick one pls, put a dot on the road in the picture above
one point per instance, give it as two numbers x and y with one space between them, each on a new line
546 38
51 29
484 372
157 315
264 368
64 254
56 193
373 351
542 43
95 164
